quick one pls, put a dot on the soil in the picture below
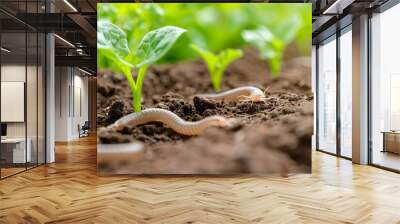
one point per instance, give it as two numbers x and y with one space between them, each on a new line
271 136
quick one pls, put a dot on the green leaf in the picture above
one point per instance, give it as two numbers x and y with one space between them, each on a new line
113 45
209 58
270 46
258 37
110 36
288 29
218 63
226 57
116 63
156 44
263 39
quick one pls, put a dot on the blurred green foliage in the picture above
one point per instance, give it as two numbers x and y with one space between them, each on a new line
217 63
212 26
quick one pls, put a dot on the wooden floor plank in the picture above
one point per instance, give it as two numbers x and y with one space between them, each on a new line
69 191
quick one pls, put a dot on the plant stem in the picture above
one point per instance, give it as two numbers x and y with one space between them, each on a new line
131 82
137 94
216 80
275 66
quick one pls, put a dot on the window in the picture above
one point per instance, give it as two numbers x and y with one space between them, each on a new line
385 89
346 92
327 96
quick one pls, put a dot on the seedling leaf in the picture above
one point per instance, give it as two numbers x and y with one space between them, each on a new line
112 44
156 44
112 37
270 46
288 29
217 64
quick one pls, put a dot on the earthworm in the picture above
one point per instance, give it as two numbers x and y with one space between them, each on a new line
170 119
119 151
250 92
187 127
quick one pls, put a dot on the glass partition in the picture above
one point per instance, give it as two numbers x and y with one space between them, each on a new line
22 77
15 149
327 96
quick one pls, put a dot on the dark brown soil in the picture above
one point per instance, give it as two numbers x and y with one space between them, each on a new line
272 136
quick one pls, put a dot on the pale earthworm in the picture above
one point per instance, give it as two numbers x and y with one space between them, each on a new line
119 151
170 119
183 127
246 92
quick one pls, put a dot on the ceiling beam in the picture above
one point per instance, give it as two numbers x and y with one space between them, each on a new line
337 7
320 23
78 61
49 22
86 27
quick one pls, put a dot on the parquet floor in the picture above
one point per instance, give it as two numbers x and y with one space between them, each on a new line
70 191
10 171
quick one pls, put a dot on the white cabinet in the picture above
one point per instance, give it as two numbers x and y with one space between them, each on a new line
18 149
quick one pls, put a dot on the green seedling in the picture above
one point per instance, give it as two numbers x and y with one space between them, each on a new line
218 63
271 45
112 44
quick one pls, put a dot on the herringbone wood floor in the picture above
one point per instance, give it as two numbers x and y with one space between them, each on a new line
70 191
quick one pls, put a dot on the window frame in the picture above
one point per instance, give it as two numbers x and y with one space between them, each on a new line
347 27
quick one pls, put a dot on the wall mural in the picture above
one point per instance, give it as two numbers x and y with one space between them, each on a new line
204 88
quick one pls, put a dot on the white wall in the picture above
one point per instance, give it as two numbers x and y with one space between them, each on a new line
71 94
62 81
